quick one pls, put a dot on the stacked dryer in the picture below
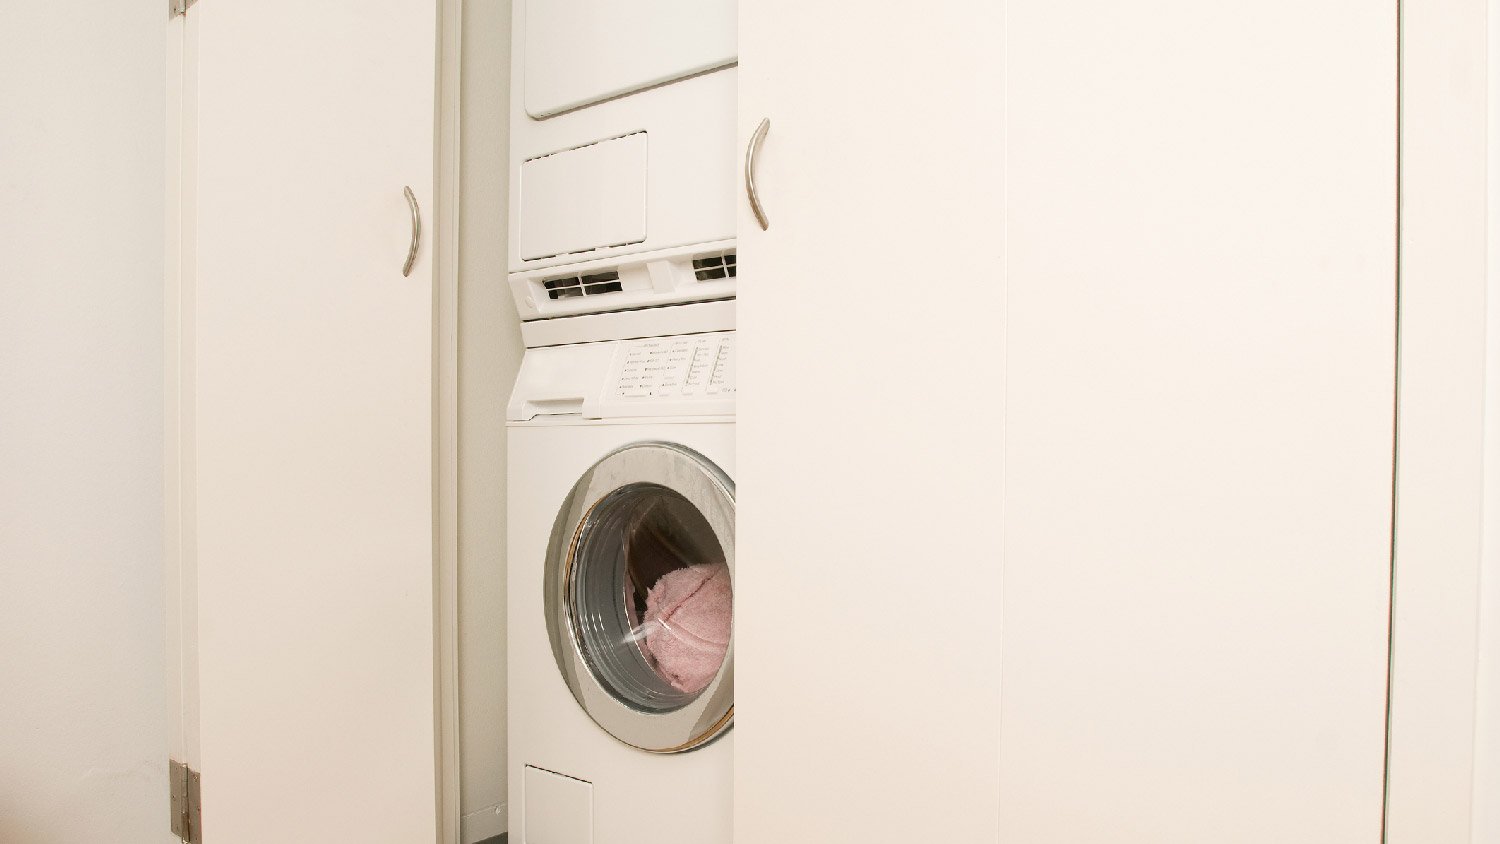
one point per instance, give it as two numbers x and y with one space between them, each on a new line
621 425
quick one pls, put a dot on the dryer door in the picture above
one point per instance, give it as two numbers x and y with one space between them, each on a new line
639 596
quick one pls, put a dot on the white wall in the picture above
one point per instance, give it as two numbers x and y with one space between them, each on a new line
1486 829
82 687
489 352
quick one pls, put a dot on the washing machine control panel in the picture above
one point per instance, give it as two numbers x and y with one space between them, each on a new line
690 375
691 366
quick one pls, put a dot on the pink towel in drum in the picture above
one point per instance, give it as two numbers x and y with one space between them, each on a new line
688 616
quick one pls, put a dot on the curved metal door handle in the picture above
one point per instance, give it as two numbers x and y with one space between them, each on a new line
750 153
416 232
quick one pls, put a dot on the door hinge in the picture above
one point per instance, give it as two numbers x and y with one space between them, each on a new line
180 7
187 812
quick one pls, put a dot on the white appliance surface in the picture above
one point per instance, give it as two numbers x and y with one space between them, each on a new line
692 155
581 51
696 273
641 322
584 198
690 375
573 405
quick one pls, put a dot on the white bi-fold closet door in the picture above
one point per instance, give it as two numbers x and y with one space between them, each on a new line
306 420
1066 434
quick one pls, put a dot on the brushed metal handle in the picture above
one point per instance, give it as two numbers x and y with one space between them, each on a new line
416 232
750 153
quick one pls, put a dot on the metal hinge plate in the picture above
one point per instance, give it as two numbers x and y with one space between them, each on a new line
187 815
180 7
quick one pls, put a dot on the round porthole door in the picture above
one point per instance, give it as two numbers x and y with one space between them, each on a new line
639 592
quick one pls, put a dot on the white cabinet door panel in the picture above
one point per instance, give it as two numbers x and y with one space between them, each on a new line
1100 298
867 606
1200 388
313 420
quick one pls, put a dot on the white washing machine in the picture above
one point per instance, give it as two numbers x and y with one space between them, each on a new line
621 482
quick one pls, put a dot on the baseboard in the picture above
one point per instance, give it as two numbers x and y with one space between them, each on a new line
486 826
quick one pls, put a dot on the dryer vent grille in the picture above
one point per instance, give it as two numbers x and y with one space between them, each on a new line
711 267
570 286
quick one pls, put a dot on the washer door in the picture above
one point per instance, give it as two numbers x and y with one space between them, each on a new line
639 596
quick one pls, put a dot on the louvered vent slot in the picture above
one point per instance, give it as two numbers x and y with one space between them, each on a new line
568 287
714 266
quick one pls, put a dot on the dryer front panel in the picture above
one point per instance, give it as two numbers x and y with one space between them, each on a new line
638 596
578 52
